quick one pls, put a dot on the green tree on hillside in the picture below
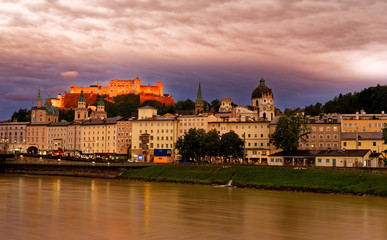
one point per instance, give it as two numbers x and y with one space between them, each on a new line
153 103
371 100
185 105
23 115
123 105
67 115
215 104
290 130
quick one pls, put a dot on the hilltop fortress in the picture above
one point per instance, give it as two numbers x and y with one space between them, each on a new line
116 87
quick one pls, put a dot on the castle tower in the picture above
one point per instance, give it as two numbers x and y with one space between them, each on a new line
199 105
263 101
81 112
160 88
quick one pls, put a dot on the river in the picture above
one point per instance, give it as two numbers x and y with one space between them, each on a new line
47 207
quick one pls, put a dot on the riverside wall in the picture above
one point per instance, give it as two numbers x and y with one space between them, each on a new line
40 166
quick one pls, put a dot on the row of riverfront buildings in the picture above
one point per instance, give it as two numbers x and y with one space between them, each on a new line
93 133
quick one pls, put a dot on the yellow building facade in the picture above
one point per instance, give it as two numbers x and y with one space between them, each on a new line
187 122
124 136
99 136
255 135
364 140
37 138
153 133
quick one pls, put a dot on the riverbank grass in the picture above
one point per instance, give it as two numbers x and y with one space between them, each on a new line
266 177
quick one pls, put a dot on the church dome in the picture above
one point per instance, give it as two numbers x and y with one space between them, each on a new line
260 90
51 110
81 97
101 102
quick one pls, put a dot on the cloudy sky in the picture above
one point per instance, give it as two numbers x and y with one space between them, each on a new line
307 50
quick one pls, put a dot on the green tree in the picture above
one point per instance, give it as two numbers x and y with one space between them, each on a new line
385 133
23 115
210 144
231 145
190 145
215 104
290 130
123 105
313 110
153 103
167 109
185 105
67 115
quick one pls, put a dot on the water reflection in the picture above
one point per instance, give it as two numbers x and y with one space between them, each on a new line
37 207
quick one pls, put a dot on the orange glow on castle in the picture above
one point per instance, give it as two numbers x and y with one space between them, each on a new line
116 87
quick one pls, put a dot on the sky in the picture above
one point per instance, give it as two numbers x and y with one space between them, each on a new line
308 51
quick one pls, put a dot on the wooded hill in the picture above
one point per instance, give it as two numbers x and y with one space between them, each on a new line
371 100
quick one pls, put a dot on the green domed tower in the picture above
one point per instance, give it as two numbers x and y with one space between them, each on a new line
81 112
263 101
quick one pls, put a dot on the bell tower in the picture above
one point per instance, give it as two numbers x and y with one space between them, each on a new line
81 112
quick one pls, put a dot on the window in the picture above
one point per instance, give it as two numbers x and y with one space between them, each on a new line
359 144
319 160
327 160
374 144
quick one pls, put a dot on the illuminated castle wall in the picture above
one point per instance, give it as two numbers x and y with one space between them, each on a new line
116 87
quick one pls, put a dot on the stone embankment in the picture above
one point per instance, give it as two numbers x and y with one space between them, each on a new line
46 166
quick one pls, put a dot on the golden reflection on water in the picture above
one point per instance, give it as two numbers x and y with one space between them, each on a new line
43 207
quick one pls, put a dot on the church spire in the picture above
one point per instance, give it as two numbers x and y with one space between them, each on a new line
199 105
199 96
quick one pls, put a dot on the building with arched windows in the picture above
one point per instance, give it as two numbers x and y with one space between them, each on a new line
263 101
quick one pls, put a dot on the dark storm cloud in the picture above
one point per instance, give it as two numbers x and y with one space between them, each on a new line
302 48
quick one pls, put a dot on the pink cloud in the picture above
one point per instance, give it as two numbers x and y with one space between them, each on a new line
70 74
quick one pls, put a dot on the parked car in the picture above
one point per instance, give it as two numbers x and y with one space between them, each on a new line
57 153
131 160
